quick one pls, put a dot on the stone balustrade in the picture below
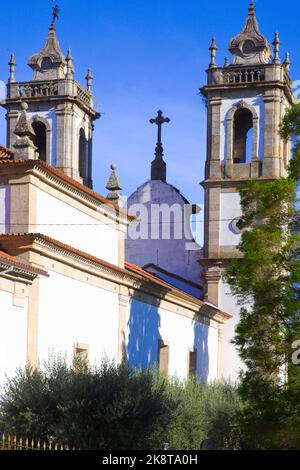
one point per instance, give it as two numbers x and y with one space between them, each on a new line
247 75
50 88
37 89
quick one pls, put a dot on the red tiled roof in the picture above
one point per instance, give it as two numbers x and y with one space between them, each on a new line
30 238
157 280
130 269
62 176
5 152
13 261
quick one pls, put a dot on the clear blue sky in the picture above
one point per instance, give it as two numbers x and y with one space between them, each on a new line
145 55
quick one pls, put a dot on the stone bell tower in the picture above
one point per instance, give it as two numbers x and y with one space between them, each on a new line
246 100
61 111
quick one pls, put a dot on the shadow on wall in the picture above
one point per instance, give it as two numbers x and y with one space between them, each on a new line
144 334
201 346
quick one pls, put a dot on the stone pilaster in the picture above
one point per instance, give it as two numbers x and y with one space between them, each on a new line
32 324
214 141
123 306
212 222
271 160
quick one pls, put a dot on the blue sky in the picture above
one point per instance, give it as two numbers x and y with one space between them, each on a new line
145 55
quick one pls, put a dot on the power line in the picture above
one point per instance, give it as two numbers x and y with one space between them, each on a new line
195 222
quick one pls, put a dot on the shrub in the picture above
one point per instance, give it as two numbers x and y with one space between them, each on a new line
109 407
205 412
115 407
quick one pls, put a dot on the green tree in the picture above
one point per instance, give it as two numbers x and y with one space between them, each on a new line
266 282
109 407
205 411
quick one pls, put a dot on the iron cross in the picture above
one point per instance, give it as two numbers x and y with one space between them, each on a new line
159 121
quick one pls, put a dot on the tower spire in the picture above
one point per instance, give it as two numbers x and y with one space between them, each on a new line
250 47
158 166
50 62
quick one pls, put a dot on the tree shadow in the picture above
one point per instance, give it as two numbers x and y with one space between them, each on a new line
144 334
201 331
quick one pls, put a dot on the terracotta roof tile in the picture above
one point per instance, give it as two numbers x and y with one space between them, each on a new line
157 280
6 153
16 262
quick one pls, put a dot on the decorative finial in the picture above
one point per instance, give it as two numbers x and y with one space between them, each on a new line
276 44
159 167
24 127
213 52
287 62
70 66
226 63
114 186
89 80
12 67
55 11
24 146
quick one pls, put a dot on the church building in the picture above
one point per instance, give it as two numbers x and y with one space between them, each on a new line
65 285
81 275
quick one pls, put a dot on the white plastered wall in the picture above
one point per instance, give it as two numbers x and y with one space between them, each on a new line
147 325
69 225
73 312
230 209
13 335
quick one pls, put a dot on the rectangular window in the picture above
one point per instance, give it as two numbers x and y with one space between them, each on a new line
193 363
163 357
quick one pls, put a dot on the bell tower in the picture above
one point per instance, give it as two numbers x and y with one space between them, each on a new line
246 100
60 110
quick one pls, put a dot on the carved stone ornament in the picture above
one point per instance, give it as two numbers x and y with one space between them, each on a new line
250 47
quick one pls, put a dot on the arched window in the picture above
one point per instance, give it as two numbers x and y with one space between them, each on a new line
40 140
242 136
82 154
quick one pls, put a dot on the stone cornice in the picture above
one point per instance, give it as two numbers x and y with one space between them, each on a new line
154 287
14 272
73 188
